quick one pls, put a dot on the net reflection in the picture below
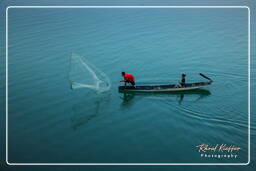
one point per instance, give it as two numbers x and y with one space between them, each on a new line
89 108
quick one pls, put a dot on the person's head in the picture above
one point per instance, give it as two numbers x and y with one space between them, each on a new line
123 73
183 75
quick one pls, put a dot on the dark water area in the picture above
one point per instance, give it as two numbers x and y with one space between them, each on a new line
48 122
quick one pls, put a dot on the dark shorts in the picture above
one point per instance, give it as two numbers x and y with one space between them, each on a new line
131 82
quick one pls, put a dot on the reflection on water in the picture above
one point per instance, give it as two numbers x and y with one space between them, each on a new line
127 98
89 108
180 95
181 98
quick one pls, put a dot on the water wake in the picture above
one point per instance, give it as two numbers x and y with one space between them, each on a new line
83 74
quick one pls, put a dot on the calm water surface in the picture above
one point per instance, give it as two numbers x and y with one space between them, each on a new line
53 123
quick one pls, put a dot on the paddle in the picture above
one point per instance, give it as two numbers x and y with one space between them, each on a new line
205 76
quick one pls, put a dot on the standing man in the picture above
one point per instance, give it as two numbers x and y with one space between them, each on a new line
128 78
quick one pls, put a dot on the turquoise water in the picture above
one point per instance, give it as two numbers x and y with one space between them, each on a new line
51 123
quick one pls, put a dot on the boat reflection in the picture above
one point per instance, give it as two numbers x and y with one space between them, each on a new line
180 95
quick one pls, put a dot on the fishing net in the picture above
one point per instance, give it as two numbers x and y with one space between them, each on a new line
83 74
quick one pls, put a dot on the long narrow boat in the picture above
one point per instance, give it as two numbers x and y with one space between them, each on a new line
166 88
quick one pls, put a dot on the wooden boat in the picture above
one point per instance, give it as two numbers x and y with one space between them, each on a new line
166 88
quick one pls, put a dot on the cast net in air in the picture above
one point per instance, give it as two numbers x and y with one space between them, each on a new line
83 74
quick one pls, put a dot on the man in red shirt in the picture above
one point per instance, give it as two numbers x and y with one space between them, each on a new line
128 78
